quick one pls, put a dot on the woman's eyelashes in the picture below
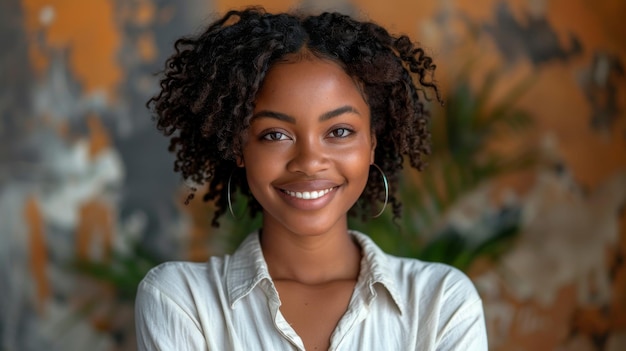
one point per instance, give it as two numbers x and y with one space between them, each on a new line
341 132
274 136
334 133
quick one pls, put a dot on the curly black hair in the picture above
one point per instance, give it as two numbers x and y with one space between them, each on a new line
210 83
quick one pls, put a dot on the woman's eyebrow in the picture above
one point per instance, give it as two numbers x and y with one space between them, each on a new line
286 118
276 115
337 112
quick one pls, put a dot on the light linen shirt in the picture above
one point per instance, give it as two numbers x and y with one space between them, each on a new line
230 303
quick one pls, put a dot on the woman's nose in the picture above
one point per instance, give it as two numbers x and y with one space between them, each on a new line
309 158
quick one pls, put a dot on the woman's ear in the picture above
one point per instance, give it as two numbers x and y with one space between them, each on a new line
373 152
240 162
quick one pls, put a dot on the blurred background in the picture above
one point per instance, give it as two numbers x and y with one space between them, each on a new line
525 190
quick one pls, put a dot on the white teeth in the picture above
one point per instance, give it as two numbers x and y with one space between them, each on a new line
309 195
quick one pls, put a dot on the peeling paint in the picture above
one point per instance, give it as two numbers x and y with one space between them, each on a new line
86 30
37 251
95 231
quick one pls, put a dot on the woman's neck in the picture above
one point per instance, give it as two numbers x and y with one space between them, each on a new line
310 259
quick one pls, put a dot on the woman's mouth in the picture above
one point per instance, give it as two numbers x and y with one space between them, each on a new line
308 195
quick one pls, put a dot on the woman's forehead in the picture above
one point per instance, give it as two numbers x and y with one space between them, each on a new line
315 77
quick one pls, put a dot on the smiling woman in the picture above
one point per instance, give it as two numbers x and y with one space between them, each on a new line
309 148
302 113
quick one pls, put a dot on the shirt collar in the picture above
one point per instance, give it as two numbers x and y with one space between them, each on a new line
375 268
248 267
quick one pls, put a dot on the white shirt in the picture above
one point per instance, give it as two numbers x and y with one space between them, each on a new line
230 303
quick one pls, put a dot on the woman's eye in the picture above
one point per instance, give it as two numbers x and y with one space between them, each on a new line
274 136
340 132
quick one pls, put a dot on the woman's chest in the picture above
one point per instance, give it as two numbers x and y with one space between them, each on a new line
314 311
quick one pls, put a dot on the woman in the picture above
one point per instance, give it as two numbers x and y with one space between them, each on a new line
306 115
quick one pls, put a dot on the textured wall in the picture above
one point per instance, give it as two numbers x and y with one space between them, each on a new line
84 175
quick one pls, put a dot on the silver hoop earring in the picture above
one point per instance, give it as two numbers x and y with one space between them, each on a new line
386 190
230 206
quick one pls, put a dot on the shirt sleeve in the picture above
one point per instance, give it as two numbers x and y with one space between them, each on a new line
465 330
462 320
162 324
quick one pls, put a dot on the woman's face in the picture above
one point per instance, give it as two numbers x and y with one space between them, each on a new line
309 146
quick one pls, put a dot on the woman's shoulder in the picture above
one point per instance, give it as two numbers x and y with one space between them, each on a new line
413 270
412 274
438 288
176 270
209 278
177 278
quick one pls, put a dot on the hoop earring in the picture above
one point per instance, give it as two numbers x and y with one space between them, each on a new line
386 190
230 206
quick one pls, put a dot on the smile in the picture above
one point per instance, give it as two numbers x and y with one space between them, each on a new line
308 195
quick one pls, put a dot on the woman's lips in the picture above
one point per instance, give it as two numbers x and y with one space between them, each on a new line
309 195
